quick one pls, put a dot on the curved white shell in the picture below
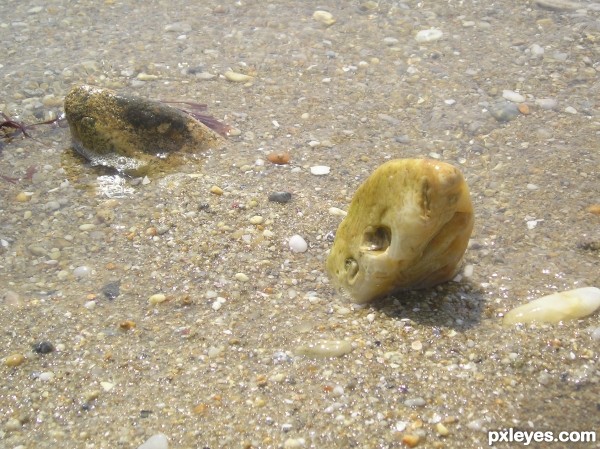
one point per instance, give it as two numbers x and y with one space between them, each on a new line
568 305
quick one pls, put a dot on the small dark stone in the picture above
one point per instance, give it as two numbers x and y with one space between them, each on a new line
112 289
504 111
43 347
280 197
145 413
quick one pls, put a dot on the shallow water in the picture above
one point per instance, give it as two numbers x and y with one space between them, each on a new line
214 373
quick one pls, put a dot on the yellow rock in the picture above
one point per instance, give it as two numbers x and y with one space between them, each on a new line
14 360
407 227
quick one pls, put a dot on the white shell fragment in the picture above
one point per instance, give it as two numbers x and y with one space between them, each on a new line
324 17
158 441
320 170
324 349
562 306
297 244
429 35
236 77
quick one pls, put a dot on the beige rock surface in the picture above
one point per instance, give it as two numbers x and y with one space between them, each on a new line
407 228
132 134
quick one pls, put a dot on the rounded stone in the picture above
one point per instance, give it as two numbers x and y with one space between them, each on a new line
43 347
407 227
298 244
280 197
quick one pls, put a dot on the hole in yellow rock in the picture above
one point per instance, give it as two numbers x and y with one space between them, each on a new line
376 238
351 267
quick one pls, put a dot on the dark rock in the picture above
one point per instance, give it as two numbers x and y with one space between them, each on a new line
43 347
112 289
280 197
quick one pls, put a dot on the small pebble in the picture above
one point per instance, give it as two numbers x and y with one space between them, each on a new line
82 271
236 77
157 298
416 345
536 50
593 209
504 111
216 190
279 157
158 441
241 277
297 244
320 170
46 376
546 103
87 227
411 440
14 360
178 27
324 17
570 110
596 334
112 290
337 212
22 197
441 429
428 35
324 349
523 108
415 402
218 303
256 220
513 96
280 197
12 425
43 347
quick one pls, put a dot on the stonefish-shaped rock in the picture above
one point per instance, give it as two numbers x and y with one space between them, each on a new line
407 227
132 134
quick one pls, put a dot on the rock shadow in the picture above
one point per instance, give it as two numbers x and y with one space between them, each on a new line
458 306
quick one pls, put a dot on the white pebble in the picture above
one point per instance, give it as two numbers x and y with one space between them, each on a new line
415 402
294 443
570 110
46 376
87 227
241 277
338 212
298 244
562 306
12 424
324 349
596 334
324 17
157 299
429 35
476 424
320 170
218 303
546 103
513 96
468 271
158 441
536 50
82 272
256 220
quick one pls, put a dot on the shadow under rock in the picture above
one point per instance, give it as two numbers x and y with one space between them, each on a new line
451 305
